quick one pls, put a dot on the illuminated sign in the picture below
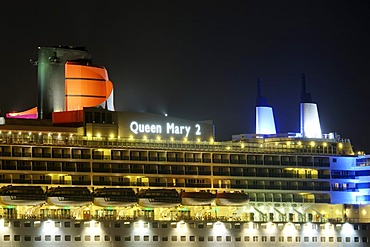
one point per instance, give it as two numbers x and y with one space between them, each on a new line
152 126
170 128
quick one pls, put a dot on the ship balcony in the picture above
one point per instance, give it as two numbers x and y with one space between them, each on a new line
120 183
81 183
120 170
42 181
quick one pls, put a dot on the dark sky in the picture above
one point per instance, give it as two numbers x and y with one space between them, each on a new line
200 60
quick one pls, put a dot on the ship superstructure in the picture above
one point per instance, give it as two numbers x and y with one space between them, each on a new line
93 176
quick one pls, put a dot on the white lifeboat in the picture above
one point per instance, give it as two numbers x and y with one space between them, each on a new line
122 197
69 196
232 199
159 198
22 195
200 198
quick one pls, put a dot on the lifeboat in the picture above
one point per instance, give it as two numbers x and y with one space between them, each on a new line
232 199
159 198
194 198
69 196
22 195
122 197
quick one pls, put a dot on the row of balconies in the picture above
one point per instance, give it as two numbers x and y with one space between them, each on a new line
160 169
169 156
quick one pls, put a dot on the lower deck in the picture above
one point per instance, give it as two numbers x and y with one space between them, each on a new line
16 232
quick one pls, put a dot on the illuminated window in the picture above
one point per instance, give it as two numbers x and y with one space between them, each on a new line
87 237
77 238
331 239
97 238
246 238
290 239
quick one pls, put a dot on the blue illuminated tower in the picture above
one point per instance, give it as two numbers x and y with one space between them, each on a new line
265 123
309 115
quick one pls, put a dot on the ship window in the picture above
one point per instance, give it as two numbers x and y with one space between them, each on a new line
173 238
67 238
322 239
219 238
173 225
136 238
117 224
126 224
246 238
47 237
364 239
355 239
77 224
355 227
86 224
6 223
298 239
57 224
146 238
192 238
77 238
306 239
183 238
210 238
67 224
348 239
155 225
155 238
255 238
38 238
339 239
272 239
6 237
164 225
191 225
264 238
363 227
127 238
87 238
27 224
209 225
201 238
281 238
17 223
17 237
238 239
289 239
97 238
58 238
27 238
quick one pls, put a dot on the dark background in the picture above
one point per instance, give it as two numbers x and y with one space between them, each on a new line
200 60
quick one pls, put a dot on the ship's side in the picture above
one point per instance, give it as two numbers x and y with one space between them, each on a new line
126 191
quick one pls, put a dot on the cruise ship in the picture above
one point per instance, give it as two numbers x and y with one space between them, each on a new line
75 172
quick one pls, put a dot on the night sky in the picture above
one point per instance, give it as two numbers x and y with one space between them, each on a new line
200 60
